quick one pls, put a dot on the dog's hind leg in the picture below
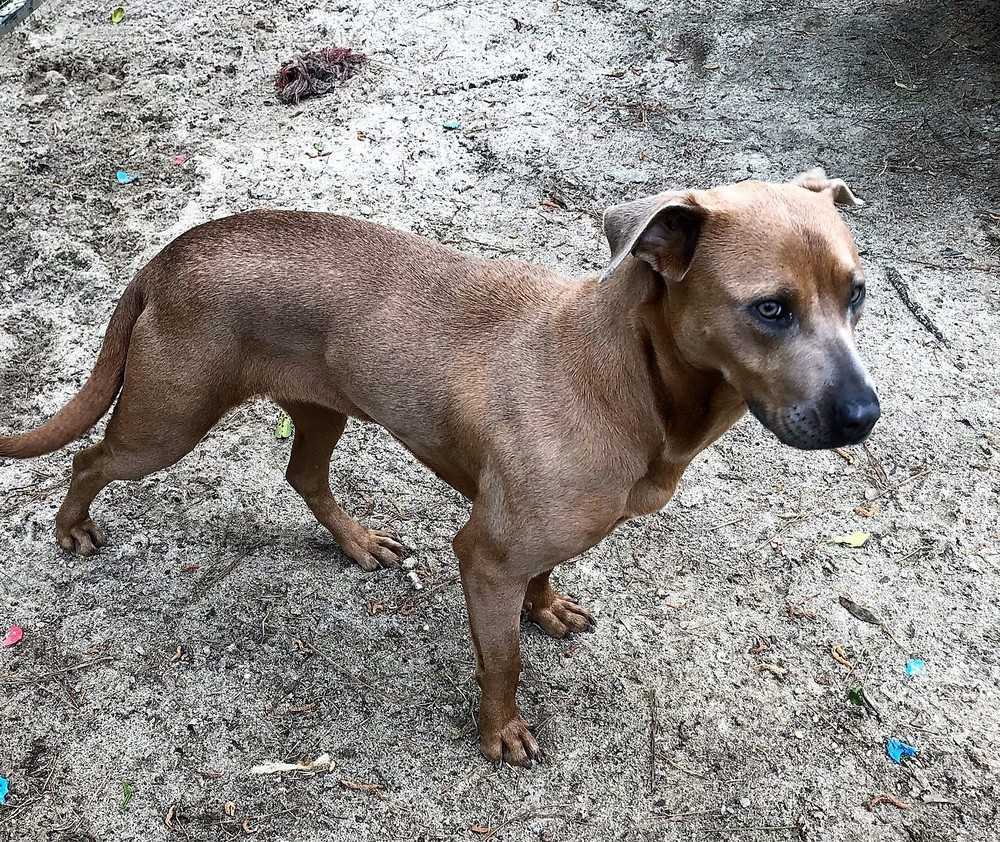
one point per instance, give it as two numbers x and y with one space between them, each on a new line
141 438
317 431
558 615
165 408
75 531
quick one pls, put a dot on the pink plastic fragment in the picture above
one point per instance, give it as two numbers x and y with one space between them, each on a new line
12 637
180 160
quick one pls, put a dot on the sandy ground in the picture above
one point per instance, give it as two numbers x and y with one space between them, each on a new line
222 628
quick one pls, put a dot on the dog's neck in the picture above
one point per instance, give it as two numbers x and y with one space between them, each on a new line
639 375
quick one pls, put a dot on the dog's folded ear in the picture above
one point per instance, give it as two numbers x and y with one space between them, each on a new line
817 181
661 230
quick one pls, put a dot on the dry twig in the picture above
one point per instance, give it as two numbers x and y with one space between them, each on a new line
652 740
919 313
40 678
885 798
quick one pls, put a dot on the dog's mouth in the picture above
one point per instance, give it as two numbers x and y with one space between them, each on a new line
808 427
797 426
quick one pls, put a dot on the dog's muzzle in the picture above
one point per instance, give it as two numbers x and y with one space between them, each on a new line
838 422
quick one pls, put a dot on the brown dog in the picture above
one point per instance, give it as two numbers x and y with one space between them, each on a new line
560 408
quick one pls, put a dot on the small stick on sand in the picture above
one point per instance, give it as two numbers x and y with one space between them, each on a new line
652 741
919 313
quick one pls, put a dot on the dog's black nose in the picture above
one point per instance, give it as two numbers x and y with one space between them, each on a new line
856 416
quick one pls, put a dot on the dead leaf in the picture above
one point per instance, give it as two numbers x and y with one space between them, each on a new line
361 786
868 509
845 454
797 612
886 798
840 656
859 612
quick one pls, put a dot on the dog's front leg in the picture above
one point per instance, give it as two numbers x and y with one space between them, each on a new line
494 594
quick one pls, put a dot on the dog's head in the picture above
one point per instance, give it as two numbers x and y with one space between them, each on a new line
762 283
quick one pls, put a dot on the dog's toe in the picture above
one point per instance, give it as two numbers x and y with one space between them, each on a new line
99 535
369 563
387 539
389 550
83 539
549 623
561 617
374 549
513 743
387 557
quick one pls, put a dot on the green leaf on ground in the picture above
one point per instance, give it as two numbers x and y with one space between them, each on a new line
127 793
284 428
852 539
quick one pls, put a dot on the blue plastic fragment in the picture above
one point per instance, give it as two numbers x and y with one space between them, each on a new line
3 789
126 177
452 124
914 666
897 750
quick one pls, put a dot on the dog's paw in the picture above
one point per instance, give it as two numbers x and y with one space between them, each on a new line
561 616
513 743
85 538
372 549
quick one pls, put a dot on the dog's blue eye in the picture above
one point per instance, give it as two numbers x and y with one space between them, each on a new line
772 311
857 295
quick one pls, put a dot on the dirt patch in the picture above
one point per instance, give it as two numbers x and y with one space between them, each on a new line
222 628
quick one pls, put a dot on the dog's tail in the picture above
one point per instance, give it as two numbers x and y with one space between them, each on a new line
98 393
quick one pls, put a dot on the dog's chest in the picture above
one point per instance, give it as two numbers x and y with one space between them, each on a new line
653 491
